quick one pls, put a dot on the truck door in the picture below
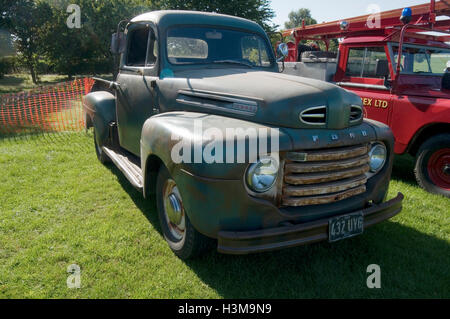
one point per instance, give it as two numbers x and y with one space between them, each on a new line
366 70
136 95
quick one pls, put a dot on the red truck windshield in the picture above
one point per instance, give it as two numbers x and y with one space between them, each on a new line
422 60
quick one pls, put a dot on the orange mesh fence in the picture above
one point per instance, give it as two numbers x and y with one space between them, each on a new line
55 108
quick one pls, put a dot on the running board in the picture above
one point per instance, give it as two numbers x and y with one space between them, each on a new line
131 171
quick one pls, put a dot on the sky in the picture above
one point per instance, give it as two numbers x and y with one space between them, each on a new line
330 10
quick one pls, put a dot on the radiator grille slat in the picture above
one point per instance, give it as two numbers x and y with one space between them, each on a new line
328 155
324 176
324 199
326 165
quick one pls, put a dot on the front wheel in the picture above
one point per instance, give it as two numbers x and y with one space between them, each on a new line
184 240
432 167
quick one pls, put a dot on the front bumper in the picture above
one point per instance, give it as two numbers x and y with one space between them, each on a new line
245 242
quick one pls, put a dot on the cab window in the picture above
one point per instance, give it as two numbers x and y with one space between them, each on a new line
186 48
419 60
137 46
254 51
367 63
152 52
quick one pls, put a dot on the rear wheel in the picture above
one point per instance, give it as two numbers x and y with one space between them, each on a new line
432 167
102 157
184 240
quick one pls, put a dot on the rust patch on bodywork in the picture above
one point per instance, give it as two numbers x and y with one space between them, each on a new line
324 199
295 167
300 179
328 154
325 188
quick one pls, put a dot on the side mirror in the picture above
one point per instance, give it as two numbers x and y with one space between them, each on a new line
282 52
118 43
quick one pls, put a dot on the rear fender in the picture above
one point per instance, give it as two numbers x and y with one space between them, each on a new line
100 110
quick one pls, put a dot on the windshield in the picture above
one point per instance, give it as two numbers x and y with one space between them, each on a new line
203 45
422 60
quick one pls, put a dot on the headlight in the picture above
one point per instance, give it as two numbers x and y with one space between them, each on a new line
261 176
377 154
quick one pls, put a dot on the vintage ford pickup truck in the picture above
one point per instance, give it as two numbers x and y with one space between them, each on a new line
195 94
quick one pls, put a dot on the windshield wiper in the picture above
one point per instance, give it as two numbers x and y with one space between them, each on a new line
234 62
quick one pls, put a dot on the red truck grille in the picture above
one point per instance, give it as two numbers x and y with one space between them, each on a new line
324 176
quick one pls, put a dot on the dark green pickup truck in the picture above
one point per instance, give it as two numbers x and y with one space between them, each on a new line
237 154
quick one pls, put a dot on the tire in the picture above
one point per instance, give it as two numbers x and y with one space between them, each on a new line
102 157
432 168
184 240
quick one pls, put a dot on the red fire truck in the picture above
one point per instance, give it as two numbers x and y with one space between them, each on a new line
398 62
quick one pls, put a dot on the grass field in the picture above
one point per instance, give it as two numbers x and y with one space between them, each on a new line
13 83
59 206
19 82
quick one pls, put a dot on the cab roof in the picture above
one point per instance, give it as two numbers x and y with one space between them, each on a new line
167 18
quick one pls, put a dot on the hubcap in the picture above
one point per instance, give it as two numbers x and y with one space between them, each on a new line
173 210
446 170
439 168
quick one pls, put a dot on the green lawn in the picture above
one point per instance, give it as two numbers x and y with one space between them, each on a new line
59 206
13 83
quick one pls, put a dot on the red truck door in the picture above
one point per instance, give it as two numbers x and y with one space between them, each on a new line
364 71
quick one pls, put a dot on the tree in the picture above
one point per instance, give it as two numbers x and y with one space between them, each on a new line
6 44
41 33
255 10
23 19
296 18
86 49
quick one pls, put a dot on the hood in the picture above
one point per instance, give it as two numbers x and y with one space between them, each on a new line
264 97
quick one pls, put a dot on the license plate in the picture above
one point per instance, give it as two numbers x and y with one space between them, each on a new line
345 226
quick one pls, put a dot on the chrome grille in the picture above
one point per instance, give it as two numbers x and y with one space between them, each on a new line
324 176
314 115
356 113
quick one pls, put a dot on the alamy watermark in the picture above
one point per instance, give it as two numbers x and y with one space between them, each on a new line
374 18
74 279
74 19
374 279
229 145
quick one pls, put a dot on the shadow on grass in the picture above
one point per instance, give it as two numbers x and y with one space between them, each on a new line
413 264
147 207
12 80
15 83
404 169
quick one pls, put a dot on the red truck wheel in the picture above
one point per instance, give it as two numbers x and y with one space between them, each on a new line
432 168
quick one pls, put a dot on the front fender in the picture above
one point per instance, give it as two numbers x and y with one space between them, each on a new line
100 110
160 136
162 133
